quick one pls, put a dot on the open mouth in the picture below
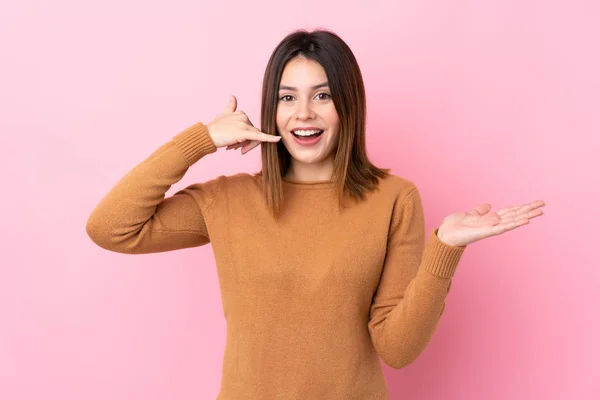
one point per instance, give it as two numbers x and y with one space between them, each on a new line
305 136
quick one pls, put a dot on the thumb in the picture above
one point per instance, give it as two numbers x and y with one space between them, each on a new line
232 104
481 209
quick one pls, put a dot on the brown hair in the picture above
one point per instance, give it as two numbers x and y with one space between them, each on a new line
353 173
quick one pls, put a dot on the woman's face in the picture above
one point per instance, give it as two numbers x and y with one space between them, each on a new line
304 103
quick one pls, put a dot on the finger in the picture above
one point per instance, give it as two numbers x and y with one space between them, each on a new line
512 210
250 146
232 104
509 210
533 205
535 213
237 145
256 134
521 208
481 209
538 204
508 225
244 117
518 219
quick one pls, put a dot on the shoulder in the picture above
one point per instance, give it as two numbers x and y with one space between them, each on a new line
223 183
241 187
405 203
242 181
227 182
221 190
398 187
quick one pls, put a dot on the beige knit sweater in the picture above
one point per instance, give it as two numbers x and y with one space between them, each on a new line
311 301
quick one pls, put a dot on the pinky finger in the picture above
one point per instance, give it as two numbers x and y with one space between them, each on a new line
235 146
250 146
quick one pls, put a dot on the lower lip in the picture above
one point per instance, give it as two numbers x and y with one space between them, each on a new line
308 142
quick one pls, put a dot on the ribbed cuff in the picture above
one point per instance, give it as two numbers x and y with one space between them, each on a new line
195 142
440 258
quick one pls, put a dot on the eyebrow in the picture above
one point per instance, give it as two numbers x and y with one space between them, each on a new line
320 85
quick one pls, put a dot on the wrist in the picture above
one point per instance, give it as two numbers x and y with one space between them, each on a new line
446 241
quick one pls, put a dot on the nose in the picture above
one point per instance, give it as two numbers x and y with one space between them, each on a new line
304 110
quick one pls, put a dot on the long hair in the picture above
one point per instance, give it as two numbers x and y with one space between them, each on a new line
353 173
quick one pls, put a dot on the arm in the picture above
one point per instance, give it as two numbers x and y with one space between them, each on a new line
135 218
415 281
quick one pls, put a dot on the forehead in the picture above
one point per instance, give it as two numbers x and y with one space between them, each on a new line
302 73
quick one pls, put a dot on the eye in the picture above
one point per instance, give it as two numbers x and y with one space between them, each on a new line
327 96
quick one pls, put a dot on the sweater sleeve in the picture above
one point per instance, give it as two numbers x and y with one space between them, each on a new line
136 218
415 281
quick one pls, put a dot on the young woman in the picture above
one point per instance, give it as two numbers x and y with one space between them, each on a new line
321 256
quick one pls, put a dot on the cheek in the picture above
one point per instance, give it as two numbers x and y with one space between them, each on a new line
331 116
279 122
282 120
334 124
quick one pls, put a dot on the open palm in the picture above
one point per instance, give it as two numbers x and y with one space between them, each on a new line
463 228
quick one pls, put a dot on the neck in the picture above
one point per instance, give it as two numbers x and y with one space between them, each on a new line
321 171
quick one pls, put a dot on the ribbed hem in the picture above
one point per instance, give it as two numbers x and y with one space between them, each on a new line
440 258
195 142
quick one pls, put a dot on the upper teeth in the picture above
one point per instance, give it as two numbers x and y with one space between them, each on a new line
305 132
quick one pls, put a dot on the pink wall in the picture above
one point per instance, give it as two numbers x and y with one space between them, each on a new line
493 101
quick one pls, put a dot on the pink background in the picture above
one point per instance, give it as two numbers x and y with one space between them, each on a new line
475 101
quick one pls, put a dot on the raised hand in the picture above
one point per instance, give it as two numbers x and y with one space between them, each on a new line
233 129
461 229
